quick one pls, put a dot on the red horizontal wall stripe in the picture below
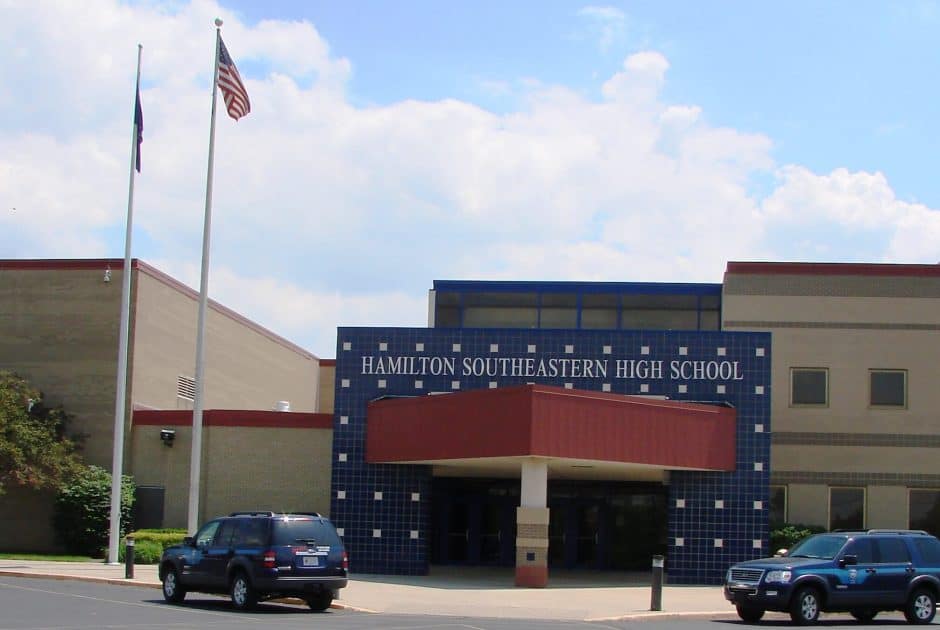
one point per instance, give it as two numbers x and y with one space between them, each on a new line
234 418
832 269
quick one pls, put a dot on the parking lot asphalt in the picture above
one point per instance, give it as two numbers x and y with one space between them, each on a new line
456 591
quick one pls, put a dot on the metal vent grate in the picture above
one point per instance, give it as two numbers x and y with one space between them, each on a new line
186 387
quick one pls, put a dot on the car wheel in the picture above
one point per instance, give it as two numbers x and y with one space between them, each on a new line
864 615
750 614
804 609
921 607
243 593
173 591
320 601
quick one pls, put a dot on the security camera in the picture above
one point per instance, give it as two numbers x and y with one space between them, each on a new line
167 436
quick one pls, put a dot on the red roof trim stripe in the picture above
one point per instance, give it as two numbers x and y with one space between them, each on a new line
832 269
234 418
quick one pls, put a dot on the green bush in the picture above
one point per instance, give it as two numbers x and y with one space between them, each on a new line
785 535
145 552
150 543
82 512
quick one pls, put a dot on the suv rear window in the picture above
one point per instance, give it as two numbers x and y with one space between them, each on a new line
291 531
929 549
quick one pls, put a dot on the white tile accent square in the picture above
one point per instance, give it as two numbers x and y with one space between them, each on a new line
720 389
341 531
383 346
340 494
376 533
569 349
608 349
343 457
605 387
493 384
644 349
415 496
344 382
680 542
683 389
719 504
419 384
455 347
756 543
683 351
569 385
758 505
419 347
722 351
382 383
344 419
347 345
758 428
455 384
644 388
758 352
377 495
414 534
680 503
758 389
719 542
758 466
494 347
531 348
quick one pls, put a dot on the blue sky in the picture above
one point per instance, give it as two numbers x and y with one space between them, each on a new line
392 143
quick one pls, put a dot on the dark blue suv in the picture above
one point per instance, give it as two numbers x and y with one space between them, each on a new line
859 572
255 556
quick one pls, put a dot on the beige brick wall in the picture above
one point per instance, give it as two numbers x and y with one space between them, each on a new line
244 468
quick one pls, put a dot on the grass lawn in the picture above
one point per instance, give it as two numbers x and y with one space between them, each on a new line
48 557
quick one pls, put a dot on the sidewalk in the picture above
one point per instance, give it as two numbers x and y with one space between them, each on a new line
477 592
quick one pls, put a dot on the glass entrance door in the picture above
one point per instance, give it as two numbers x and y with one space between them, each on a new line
474 522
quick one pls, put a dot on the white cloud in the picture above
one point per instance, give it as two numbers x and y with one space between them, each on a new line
610 23
328 213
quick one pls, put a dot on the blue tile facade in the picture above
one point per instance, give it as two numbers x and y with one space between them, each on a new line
715 518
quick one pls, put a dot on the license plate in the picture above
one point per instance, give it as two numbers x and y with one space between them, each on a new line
310 561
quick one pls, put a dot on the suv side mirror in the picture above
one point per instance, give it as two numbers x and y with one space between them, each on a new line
848 560
189 541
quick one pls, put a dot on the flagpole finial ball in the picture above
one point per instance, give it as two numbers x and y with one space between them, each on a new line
218 22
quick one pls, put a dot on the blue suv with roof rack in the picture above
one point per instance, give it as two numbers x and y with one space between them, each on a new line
859 572
255 556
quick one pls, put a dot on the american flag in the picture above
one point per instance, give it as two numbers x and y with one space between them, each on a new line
233 91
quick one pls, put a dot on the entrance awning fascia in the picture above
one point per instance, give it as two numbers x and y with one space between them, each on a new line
543 421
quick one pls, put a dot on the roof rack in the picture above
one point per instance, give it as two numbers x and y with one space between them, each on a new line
269 513
898 531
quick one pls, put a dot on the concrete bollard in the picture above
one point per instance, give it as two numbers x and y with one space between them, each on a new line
656 597
129 558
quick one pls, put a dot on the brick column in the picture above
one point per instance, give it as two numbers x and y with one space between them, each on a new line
532 525
531 547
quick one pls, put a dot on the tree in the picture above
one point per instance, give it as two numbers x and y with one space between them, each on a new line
35 451
83 508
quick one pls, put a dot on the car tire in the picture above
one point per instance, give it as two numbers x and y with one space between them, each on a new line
921 607
863 615
173 591
320 601
244 596
750 614
804 608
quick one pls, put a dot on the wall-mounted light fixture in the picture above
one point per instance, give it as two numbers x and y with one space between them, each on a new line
167 436
107 274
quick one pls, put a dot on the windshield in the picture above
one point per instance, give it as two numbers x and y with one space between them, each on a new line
821 546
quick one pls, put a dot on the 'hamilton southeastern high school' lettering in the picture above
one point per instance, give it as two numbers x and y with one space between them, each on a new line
553 367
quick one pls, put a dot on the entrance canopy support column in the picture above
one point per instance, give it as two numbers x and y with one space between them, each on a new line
532 525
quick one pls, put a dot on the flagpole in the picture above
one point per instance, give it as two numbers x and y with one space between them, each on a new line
195 461
120 402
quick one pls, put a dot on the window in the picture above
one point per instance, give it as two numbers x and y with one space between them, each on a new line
893 551
924 510
846 508
888 388
809 387
929 549
863 549
207 533
778 504
224 537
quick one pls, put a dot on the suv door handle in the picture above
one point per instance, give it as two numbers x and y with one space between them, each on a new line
909 569
870 570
